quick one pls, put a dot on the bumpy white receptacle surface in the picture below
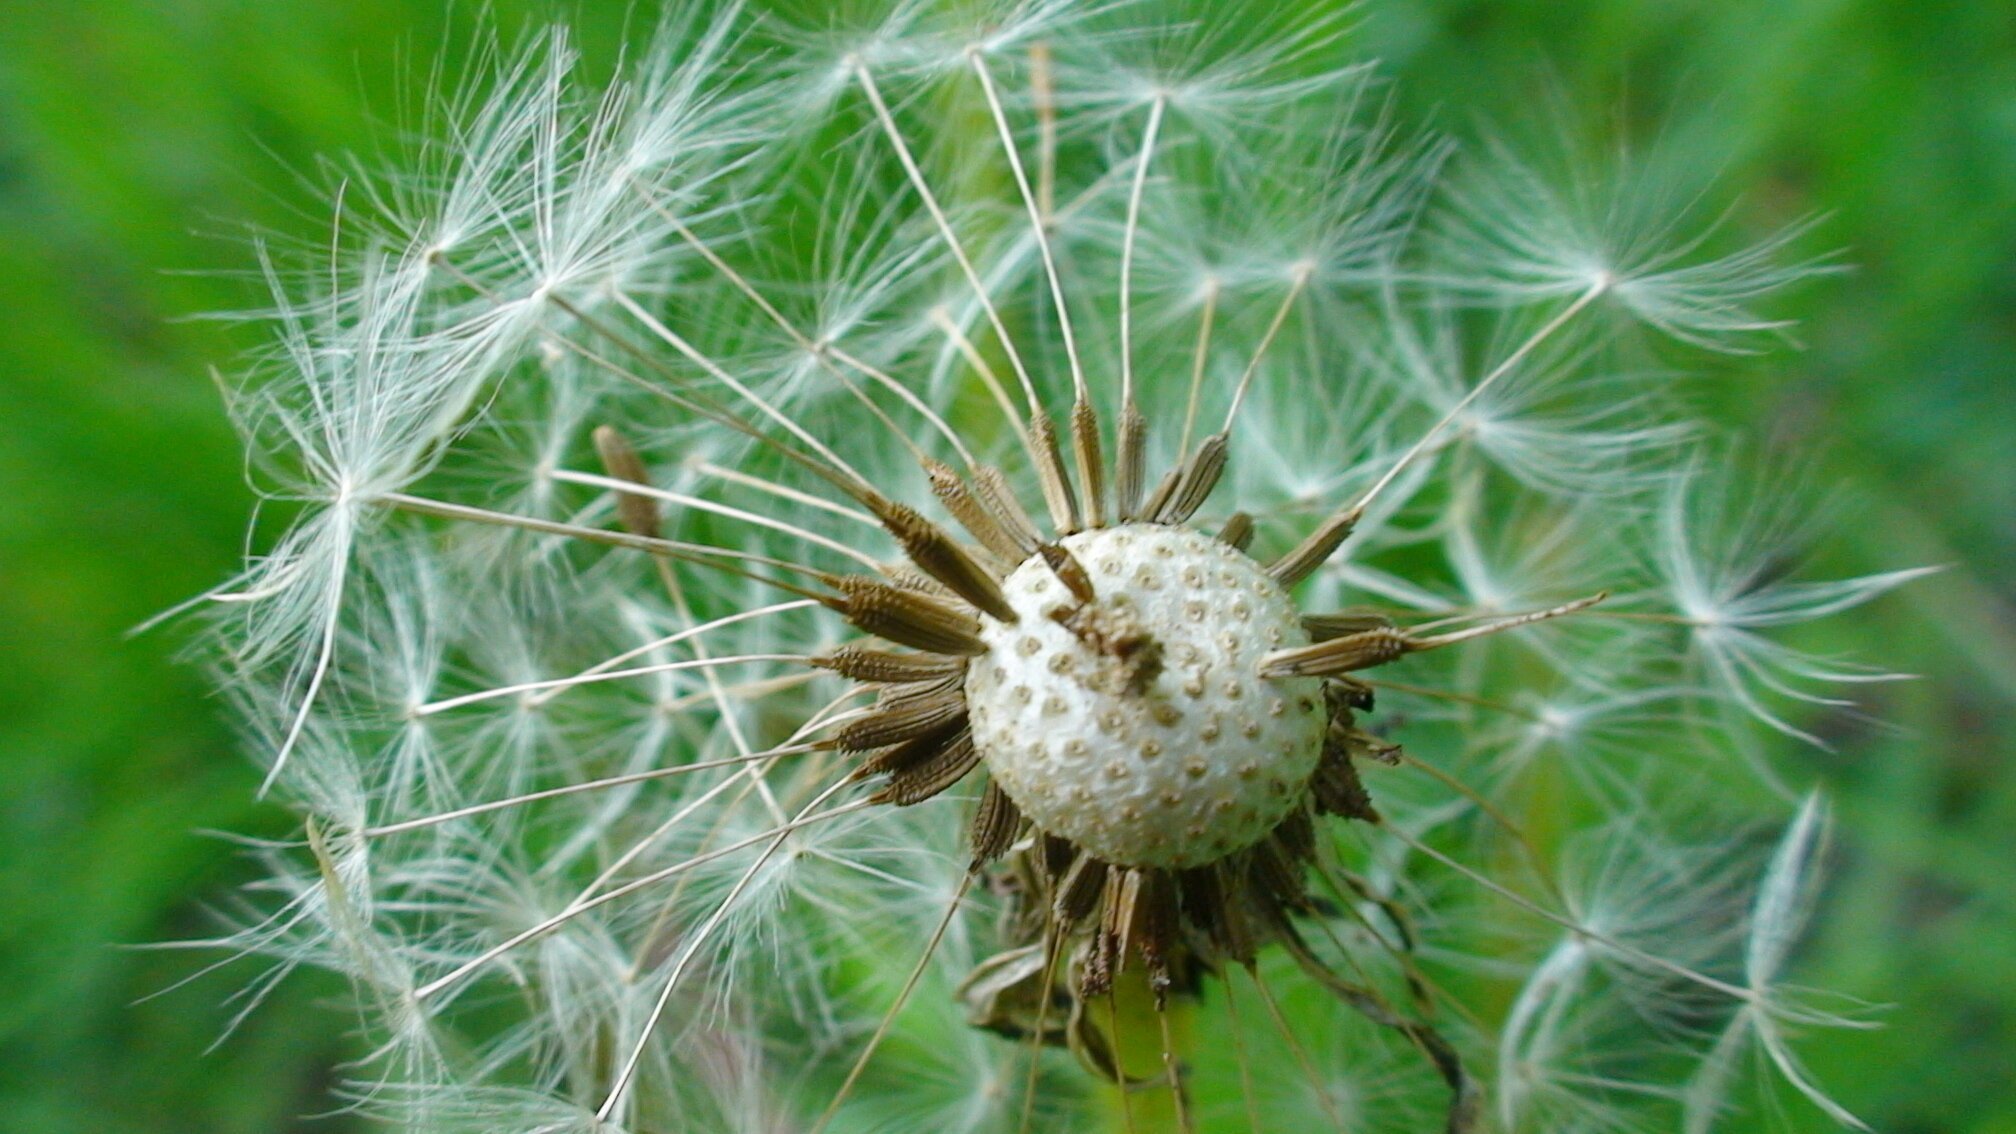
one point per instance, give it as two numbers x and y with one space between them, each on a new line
1200 761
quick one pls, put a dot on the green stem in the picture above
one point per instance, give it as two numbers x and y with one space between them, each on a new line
1147 1044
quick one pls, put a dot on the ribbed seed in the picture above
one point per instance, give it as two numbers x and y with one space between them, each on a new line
1355 620
1078 891
1362 650
636 512
1237 532
921 781
990 487
1200 477
1069 571
907 617
972 514
1165 490
1128 462
938 555
901 720
1057 491
1091 461
995 823
911 752
859 663
1312 552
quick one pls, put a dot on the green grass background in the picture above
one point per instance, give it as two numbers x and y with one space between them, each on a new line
138 140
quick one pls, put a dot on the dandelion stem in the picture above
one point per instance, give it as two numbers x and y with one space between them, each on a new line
1117 1040
1172 1069
725 711
827 715
1510 622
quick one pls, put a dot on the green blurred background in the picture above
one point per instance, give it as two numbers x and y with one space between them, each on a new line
138 141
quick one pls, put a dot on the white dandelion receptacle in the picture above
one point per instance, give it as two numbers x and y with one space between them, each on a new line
1136 723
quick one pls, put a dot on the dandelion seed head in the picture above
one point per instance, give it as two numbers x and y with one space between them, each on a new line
833 560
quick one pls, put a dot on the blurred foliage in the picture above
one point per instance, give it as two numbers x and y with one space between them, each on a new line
139 141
